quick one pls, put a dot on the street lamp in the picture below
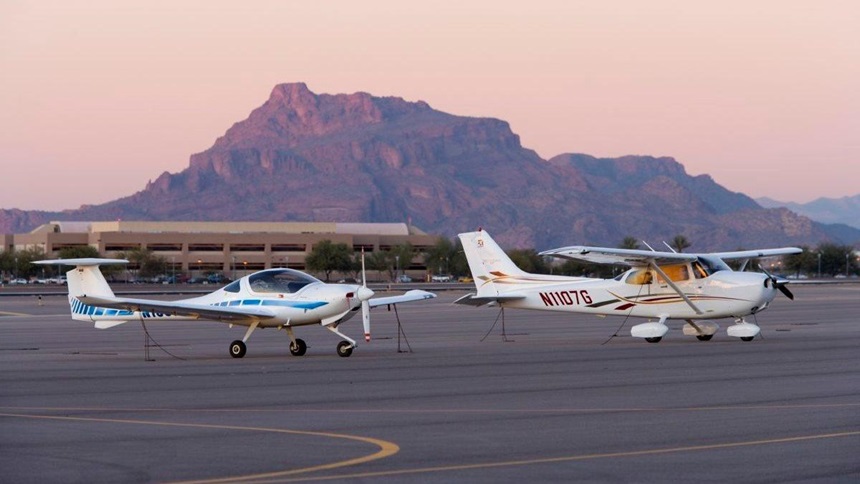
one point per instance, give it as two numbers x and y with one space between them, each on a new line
819 265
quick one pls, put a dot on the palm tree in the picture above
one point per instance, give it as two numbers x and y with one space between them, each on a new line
629 243
679 243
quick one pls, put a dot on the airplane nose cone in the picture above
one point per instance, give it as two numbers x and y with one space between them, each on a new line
364 293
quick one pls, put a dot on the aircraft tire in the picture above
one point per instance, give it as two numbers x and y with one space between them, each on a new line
238 349
704 337
747 338
299 348
344 349
654 340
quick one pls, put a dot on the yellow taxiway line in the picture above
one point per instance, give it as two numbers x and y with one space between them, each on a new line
386 448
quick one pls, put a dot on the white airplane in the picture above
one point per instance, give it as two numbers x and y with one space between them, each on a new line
660 285
273 298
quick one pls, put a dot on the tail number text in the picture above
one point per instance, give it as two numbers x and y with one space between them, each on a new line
565 298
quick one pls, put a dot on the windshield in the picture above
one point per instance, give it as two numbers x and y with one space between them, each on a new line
713 264
282 281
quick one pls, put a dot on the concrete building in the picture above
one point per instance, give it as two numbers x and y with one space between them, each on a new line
231 248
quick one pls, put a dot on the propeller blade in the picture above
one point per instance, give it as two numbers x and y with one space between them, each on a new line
363 274
785 291
365 317
777 283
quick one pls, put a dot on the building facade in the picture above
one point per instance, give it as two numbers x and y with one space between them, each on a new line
230 248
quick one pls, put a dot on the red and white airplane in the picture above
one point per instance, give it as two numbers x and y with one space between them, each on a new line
274 298
695 288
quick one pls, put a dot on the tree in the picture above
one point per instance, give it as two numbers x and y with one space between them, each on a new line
457 264
529 261
327 257
148 264
403 254
438 257
835 258
22 262
379 261
629 243
806 262
679 243
79 252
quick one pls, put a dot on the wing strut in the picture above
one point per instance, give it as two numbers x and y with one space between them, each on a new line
673 286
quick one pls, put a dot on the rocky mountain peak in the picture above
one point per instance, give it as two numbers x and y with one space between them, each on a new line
303 156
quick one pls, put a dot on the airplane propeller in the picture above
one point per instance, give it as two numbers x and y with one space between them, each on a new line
363 295
777 283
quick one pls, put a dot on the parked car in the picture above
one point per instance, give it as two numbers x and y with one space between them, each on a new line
465 279
404 278
442 278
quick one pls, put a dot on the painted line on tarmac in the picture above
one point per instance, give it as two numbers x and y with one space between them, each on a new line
573 458
8 313
424 411
386 449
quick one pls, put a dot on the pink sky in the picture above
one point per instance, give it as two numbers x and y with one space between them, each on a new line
98 97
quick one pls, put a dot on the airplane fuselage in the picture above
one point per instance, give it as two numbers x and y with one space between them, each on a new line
722 295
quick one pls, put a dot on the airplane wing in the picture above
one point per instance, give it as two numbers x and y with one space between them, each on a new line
409 296
629 257
202 311
751 254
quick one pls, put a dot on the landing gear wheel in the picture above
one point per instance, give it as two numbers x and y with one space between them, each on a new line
747 338
704 337
298 348
237 349
654 340
344 349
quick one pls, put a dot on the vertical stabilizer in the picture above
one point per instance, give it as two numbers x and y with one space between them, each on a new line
85 280
488 262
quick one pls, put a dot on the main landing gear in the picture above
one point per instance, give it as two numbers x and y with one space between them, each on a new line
238 347
298 347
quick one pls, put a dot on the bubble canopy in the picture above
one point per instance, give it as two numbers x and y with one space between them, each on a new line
282 281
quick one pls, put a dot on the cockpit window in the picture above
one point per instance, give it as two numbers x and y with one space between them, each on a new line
713 264
676 272
639 276
232 287
282 281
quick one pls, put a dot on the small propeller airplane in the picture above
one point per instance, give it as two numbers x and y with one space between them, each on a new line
273 298
659 285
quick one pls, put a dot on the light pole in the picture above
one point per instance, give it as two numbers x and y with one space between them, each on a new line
819 265
396 267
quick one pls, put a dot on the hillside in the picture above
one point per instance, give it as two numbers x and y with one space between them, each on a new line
356 157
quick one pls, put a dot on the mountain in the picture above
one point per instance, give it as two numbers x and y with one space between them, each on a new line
357 157
845 210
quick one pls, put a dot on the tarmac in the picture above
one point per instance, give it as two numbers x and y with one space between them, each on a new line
555 398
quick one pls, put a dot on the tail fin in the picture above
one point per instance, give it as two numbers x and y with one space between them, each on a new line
87 280
488 262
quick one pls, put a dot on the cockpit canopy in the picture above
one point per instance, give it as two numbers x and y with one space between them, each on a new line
281 281
700 269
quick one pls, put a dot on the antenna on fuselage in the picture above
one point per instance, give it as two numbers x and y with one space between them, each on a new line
649 247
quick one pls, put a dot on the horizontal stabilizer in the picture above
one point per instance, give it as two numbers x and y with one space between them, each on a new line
86 262
409 296
109 324
474 300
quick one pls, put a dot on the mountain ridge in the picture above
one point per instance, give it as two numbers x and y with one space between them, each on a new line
843 210
358 158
